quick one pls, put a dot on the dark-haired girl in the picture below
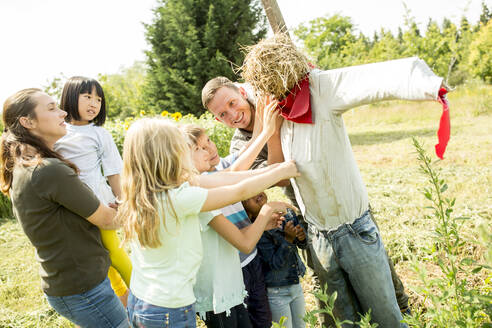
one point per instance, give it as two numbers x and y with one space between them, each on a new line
89 146
59 214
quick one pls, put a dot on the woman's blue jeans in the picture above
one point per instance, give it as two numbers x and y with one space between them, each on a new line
352 261
288 301
98 307
146 315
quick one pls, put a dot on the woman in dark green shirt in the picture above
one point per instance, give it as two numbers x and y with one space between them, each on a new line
59 214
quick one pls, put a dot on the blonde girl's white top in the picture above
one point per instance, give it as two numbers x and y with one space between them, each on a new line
330 190
164 276
93 150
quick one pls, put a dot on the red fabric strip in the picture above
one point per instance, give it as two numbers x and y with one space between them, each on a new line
444 131
296 107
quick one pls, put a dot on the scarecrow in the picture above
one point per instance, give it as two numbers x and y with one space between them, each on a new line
345 244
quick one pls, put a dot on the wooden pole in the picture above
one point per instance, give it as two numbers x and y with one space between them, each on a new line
274 16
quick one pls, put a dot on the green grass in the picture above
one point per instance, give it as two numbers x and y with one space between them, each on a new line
381 138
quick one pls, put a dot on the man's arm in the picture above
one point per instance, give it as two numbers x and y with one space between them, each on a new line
242 139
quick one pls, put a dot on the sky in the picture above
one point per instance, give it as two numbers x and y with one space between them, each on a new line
43 39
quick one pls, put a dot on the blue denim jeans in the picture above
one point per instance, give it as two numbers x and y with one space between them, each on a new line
288 301
98 307
352 261
145 315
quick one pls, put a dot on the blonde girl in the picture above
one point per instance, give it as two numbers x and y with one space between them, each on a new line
165 204
89 146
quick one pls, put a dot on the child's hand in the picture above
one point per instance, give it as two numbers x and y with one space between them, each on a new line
300 233
290 232
279 119
275 221
266 116
261 102
288 169
274 211
270 117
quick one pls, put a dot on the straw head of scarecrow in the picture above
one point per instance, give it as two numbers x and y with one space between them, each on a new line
274 66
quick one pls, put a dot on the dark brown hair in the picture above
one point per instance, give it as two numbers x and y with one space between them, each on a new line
18 145
72 89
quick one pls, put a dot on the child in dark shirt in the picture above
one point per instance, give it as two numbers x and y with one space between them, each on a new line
282 266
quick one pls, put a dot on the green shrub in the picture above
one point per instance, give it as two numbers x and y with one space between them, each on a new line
5 207
218 132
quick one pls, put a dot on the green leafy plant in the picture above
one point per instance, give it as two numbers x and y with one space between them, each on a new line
280 323
454 302
311 317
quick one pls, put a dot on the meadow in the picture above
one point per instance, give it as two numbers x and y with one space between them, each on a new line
381 139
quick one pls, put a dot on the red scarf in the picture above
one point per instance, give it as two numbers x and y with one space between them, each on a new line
444 126
296 107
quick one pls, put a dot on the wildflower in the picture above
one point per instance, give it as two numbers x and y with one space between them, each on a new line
177 116
142 112
164 113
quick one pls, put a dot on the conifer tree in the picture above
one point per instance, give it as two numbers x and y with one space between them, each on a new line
486 15
192 41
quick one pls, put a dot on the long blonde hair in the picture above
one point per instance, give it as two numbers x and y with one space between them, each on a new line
156 158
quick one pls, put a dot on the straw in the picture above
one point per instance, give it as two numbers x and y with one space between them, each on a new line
274 66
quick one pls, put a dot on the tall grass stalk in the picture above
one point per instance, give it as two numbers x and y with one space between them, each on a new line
454 303
311 317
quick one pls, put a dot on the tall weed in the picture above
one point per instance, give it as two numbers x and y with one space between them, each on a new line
453 302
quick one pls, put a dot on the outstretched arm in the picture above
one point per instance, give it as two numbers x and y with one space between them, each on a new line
246 239
227 178
226 195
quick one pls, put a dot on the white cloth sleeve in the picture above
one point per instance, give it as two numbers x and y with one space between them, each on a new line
206 217
110 160
189 200
348 87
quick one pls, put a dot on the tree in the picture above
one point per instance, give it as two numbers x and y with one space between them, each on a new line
55 86
480 59
486 15
436 48
193 41
412 41
386 48
461 50
326 38
124 91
